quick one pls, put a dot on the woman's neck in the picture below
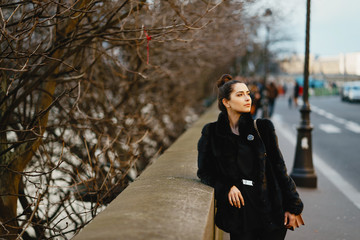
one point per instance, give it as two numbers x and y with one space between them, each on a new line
233 120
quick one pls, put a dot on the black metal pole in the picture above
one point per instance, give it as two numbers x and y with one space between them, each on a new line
265 100
303 171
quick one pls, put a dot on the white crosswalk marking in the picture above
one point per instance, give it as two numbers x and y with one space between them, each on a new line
352 126
329 128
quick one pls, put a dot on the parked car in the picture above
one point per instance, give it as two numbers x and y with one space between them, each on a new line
344 93
354 93
352 88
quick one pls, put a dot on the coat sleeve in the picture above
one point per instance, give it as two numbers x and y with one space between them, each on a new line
206 163
208 170
291 200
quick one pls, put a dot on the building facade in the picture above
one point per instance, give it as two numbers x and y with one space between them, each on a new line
342 64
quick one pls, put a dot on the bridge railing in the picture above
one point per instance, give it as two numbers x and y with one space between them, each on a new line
167 201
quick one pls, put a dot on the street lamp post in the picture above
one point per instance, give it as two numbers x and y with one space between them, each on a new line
265 101
303 171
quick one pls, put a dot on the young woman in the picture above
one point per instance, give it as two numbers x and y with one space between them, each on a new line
255 197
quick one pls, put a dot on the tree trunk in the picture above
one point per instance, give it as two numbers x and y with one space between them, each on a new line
13 163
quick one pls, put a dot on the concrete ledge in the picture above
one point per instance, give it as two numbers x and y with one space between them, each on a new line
166 202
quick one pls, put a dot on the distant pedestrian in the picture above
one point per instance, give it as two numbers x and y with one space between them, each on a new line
272 95
255 99
290 87
255 197
296 93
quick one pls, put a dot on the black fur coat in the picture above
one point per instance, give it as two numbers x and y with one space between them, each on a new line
218 166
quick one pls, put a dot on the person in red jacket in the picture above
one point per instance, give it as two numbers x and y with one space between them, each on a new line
272 95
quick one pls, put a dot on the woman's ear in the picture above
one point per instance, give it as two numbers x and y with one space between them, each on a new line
226 102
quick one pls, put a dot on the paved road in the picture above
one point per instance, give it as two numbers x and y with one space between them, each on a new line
336 133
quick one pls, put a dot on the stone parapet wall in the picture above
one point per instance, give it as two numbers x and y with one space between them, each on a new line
167 201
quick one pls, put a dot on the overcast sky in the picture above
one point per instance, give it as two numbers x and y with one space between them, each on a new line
334 27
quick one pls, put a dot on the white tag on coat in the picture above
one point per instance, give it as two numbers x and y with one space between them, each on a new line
247 182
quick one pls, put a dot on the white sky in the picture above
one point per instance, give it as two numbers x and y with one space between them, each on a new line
334 25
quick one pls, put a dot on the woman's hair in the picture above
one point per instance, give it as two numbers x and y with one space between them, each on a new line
225 87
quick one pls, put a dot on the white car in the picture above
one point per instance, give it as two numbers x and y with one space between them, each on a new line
350 87
345 92
354 93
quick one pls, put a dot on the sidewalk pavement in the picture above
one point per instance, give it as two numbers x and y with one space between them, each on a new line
328 213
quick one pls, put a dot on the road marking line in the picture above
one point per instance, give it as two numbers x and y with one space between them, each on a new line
329 128
339 182
352 126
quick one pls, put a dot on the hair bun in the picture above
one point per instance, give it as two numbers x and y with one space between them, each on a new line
223 79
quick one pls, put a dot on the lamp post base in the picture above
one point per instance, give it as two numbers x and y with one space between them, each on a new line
304 178
303 172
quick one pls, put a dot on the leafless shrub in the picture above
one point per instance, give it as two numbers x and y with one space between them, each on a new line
92 91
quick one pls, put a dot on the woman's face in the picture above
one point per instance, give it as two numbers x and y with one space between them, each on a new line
240 100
